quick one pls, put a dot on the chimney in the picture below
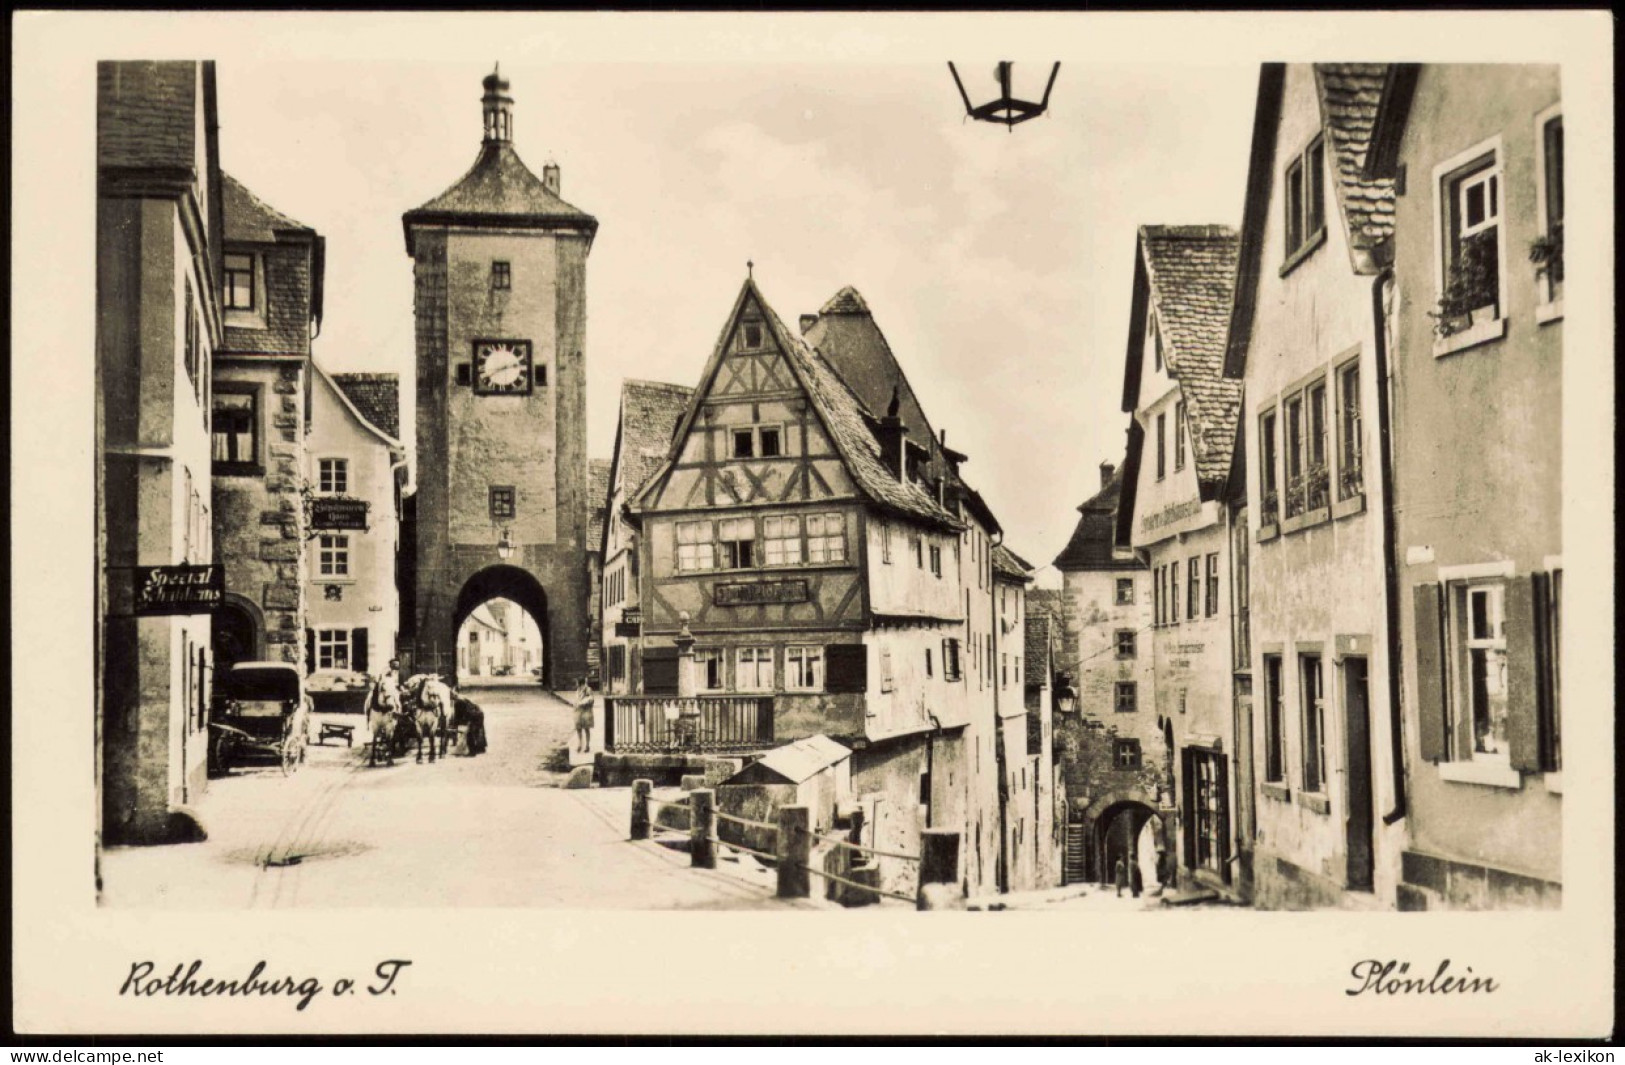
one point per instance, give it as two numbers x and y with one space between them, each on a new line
550 178
807 322
1106 471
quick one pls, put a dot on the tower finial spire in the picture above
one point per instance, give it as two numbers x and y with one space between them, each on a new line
498 108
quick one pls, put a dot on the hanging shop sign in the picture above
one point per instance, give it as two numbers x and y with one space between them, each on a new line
163 590
338 513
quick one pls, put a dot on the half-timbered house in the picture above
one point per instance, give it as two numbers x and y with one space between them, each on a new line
809 530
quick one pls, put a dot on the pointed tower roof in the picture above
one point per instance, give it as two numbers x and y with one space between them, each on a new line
499 189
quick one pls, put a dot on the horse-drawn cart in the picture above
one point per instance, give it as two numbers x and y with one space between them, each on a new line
261 714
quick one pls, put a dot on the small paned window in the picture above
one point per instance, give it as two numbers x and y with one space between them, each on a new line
1179 435
826 538
501 275
744 444
753 334
708 670
753 669
1126 753
333 555
1311 688
1126 697
695 549
804 669
1125 643
1212 585
1125 591
333 476
238 283
781 540
235 423
503 505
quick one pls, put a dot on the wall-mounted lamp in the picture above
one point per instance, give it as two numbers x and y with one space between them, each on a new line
1066 696
1007 108
505 546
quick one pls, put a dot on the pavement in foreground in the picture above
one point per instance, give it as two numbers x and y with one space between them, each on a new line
494 830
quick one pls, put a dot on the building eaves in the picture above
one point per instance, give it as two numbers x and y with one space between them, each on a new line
498 190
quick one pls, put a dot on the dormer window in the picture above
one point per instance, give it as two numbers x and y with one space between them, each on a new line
753 335
501 275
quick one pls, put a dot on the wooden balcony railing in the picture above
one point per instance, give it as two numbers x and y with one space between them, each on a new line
655 723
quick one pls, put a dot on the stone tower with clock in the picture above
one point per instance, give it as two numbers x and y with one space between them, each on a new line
500 265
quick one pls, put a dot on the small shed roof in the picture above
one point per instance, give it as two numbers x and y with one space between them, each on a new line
794 762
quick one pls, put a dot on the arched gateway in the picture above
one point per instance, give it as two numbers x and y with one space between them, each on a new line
514 584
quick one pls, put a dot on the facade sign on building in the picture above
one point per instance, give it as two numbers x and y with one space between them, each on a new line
162 590
759 592
339 514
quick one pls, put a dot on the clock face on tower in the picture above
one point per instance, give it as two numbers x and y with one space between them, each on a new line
502 367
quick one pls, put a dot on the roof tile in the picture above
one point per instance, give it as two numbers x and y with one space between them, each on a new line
377 396
1350 94
1192 274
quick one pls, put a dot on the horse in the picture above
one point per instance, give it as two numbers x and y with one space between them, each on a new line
466 714
383 709
429 704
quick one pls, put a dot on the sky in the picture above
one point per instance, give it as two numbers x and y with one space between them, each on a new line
998 263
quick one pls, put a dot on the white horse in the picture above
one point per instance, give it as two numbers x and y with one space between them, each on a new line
430 707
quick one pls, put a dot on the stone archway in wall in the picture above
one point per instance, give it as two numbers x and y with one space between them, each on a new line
520 588
1116 823
237 633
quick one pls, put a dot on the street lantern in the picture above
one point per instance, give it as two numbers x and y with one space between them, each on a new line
1006 108
505 546
1066 696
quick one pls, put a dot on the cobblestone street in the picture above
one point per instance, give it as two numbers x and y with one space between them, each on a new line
496 830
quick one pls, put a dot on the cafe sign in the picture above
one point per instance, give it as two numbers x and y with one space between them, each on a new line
631 623
164 590
338 513
759 593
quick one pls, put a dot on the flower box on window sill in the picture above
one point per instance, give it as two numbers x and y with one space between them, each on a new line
1307 519
1354 504
1268 531
1481 331
1278 792
1489 774
1320 804
237 469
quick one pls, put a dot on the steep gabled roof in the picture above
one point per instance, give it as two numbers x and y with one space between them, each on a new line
1094 538
499 189
1350 95
376 397
1186 276
597 500
839 410
1008 564
252 220
1358 123
649 414
1039 634
390 440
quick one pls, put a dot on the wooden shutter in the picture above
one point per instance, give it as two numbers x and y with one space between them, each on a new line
1523 676
310 650
1429 673
846 667
358 650
660 671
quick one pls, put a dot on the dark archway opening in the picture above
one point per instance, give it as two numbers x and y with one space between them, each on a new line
516 586
1120 835
234 637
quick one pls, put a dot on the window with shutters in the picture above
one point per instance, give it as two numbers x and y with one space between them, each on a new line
781 540
846 667
332 648
695 549
659 671
1477 633
753 669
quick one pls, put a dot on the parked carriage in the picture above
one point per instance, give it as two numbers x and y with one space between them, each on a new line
261 714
